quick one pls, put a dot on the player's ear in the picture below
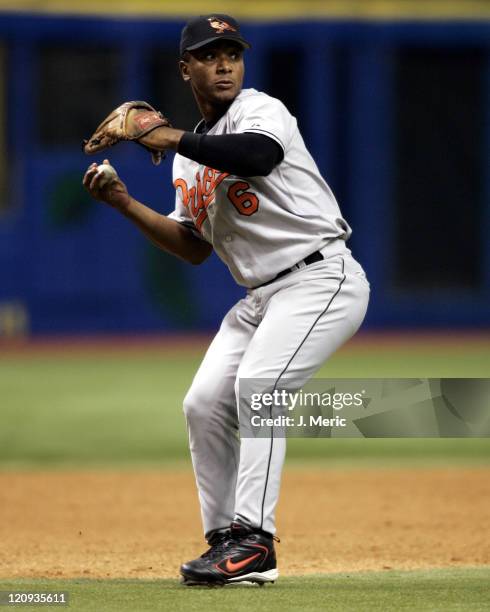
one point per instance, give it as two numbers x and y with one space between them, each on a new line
184 70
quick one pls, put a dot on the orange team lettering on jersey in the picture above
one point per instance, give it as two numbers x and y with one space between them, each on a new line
198 197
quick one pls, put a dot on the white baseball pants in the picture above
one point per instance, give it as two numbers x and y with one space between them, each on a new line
286 329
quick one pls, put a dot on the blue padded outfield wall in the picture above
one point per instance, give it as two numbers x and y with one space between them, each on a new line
397 115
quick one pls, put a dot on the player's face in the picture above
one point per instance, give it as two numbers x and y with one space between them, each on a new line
215 72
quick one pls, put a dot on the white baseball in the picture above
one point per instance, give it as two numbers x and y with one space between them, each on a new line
107 173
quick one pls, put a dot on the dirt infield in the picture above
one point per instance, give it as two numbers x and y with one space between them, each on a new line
144 524
129 345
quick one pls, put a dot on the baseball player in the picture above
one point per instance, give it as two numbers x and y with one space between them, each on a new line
247 187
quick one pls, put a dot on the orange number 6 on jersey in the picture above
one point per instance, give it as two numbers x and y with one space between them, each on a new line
246 202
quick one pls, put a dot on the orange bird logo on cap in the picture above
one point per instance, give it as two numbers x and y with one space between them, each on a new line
220 26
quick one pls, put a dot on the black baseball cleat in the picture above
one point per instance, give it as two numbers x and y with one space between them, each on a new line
217 543
246 555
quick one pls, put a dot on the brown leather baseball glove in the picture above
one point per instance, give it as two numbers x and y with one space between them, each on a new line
130 121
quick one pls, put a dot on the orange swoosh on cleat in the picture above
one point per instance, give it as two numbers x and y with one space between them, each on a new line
234 567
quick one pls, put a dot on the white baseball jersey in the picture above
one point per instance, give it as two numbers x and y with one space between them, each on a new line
258 225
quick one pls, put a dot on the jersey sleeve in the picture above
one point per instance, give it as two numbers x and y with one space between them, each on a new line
262 114
180 217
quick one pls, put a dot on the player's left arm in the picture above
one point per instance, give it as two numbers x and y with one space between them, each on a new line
245 154
239 154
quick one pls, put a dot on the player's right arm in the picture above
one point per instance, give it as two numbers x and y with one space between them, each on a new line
165 233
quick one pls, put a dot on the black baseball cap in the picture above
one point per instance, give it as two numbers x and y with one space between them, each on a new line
206 29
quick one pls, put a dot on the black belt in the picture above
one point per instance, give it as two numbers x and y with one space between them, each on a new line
313 258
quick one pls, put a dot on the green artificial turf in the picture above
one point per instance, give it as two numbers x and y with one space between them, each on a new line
440 590
106 408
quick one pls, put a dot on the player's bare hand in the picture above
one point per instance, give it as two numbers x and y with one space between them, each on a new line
106 186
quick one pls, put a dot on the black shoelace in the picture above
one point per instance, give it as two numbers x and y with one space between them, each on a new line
218 546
